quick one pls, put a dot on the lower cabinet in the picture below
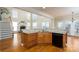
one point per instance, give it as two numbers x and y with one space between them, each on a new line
44 37
56 39
28 40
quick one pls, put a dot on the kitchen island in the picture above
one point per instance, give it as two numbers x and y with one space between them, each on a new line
58 39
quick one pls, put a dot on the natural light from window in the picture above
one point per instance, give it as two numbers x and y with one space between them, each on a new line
14 26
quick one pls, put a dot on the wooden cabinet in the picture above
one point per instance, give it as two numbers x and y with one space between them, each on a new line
64 40
44 37
40 37
55 39
28 40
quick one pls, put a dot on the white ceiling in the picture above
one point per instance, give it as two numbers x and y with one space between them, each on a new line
34 10
58 11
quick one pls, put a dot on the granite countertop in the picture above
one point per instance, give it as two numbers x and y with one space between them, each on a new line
29 31
35 31
57 31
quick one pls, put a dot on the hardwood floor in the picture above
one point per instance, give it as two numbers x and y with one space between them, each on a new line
72 45
37 48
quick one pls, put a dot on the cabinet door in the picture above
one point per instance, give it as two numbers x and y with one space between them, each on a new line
24 39
32 36
31 41
47 38
40 38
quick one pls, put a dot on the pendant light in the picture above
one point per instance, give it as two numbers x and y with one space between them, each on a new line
72 16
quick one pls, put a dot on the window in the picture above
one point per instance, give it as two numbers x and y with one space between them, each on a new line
34 21
28 16
45 25
60 25
75 27
34 17
28 25
14 13
65 26
34 25
14 26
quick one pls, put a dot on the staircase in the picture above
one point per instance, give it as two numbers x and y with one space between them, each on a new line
5 30
5 35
